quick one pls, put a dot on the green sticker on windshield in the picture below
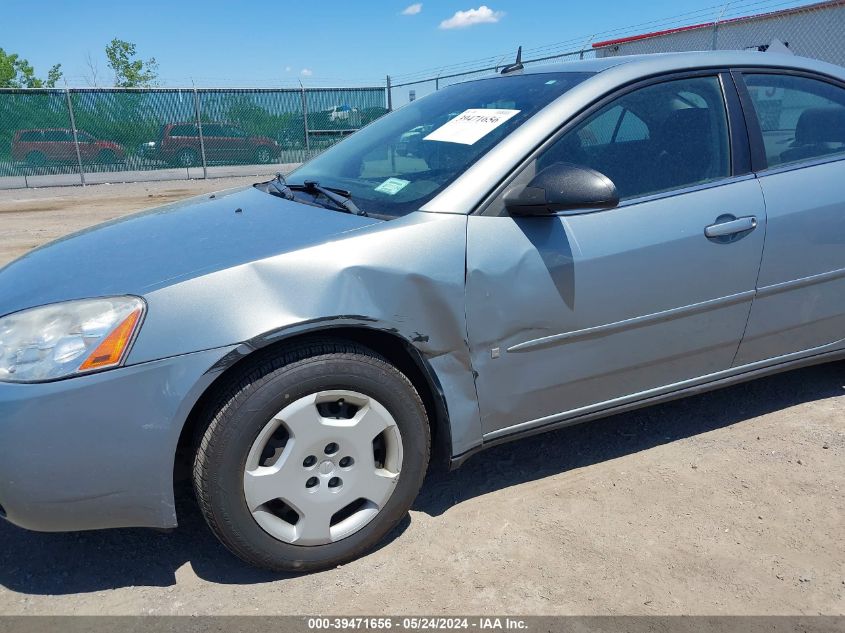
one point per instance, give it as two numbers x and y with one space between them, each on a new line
392 186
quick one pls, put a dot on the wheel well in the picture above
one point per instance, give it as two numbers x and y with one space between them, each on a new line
393 348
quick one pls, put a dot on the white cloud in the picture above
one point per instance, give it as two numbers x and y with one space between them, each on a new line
306 72
288 69
470 17
413 9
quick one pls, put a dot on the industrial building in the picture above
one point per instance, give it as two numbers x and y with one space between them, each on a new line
815 30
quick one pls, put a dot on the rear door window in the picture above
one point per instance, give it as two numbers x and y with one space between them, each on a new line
800 118
233 132
184 130
58 136
213 130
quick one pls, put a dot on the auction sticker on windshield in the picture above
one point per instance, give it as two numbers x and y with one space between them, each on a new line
470 126
392 186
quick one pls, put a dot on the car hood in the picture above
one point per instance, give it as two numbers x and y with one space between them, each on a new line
163 246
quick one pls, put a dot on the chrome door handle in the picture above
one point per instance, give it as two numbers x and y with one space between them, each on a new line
727 226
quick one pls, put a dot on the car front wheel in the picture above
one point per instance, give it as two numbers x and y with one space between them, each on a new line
263 155
187 158
312 456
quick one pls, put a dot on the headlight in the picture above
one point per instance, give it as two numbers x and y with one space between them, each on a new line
63 339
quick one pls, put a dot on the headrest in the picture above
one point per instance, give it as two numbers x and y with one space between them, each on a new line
821 125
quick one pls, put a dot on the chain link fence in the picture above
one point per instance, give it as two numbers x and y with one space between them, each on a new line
81 135
75 136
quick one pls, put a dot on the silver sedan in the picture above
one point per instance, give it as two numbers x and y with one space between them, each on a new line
506 256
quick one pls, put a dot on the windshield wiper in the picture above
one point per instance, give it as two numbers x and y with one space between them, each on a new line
341 198
278 187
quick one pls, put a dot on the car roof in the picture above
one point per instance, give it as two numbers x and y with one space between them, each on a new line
667 62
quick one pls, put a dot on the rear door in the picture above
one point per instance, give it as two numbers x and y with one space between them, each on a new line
215 149
240 144
224 143
799 123
574 313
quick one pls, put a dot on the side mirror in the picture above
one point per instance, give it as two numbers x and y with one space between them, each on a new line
562 187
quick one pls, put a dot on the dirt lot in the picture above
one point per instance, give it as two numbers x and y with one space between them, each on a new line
31 217
727 503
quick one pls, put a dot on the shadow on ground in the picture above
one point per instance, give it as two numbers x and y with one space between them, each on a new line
56 564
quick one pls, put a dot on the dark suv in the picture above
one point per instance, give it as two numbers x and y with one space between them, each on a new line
179 144
39 147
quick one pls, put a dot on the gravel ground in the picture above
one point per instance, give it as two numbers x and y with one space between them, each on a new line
31 217
726 503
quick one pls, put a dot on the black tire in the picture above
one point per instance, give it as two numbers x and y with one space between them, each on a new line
36 159
259 392
187 157
263 154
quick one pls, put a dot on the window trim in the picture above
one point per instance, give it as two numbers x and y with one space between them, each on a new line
760 162
738 138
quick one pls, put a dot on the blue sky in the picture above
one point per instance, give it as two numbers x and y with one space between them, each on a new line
322 41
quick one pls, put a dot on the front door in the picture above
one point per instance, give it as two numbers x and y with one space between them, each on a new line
576 313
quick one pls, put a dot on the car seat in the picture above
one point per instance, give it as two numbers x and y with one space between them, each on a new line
817 130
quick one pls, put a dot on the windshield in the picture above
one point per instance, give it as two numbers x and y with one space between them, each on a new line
401 161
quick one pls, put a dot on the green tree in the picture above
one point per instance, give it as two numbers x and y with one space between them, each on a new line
130 72
53 76
16 72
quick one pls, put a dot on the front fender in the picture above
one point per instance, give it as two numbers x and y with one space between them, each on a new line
405 276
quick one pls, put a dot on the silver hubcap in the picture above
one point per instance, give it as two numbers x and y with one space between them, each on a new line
323 467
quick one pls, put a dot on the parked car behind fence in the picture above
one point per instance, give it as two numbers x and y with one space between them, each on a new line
179 144
40 147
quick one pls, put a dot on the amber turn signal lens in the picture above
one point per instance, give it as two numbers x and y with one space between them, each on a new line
110 351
